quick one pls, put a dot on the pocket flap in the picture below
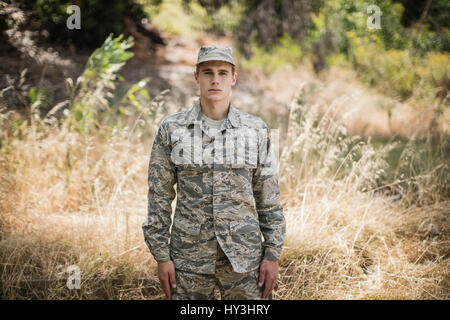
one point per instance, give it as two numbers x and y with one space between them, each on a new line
187 226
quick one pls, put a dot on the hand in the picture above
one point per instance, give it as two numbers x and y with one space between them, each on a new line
166 275
268 274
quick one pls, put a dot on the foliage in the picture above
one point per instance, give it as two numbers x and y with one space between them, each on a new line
189 18
336 18
269 21
287 53
222 20
97 20
406 57
94 87
433 12
399 72
171 17
435 70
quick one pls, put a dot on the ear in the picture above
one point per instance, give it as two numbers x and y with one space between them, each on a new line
196 76
233 82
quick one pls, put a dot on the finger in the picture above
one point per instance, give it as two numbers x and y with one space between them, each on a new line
172 279
169 294
165 286
267 287
262 276
274 285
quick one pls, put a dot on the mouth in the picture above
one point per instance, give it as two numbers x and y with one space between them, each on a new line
214 90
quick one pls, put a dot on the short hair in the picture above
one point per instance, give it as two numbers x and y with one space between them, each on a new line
233 68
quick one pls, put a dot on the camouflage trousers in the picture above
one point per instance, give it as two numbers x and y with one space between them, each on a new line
232 285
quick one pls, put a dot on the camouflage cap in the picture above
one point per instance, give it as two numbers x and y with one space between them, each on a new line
215 52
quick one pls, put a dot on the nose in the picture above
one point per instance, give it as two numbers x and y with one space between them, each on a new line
215 79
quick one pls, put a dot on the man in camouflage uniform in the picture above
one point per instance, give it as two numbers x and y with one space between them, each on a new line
222 161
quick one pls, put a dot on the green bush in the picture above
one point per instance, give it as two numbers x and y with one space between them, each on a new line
435 70
399 72
98 20
95 87
287 53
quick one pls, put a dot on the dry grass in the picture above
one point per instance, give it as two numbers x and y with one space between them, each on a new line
348 238
74 201
69 199
360 247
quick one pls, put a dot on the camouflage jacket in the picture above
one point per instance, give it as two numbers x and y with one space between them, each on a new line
227 193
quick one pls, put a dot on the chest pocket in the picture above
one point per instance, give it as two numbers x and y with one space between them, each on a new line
243 149
182 149
190 182
187 227
185 235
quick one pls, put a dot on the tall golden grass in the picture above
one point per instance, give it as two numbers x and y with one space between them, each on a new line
71 198
363 220
350 233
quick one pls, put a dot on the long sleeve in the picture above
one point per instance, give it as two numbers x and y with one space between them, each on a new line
266 192
161 192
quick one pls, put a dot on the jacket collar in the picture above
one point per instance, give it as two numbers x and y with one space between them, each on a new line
194 114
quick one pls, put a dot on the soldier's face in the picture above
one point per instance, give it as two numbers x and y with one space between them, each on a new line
215 80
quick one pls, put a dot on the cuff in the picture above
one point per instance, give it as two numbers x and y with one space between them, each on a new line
272 253
164 259
162 255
